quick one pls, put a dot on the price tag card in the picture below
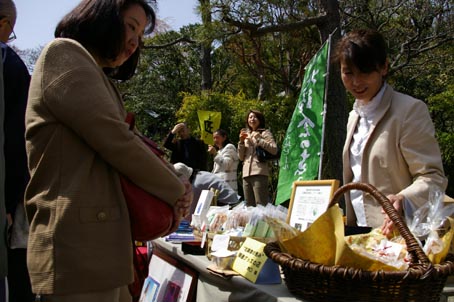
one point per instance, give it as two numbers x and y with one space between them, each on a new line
250 259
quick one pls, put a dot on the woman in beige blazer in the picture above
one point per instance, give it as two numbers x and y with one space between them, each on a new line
390 139
80 245
255 172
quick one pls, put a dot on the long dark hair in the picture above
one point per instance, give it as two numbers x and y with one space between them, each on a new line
259 116
99 26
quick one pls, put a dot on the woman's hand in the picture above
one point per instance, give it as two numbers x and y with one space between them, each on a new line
388 226
183 204
243 135
256 136
212 150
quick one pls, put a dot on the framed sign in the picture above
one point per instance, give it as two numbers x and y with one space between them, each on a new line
309 200
168 280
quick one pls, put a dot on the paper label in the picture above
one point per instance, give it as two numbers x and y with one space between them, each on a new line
220 242
250 259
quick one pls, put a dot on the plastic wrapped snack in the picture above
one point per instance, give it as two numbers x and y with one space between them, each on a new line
217 216
376 246
433 227
238 217
282 231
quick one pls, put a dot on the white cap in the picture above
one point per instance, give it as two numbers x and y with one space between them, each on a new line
183 170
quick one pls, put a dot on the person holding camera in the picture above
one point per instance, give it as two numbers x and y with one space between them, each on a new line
255 172
186 148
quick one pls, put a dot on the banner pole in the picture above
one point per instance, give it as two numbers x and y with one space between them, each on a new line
324 107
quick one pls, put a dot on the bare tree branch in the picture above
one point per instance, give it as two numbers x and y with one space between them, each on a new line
256 30
179 40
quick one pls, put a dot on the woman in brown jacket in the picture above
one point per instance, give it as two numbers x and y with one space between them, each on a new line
80 246
255 172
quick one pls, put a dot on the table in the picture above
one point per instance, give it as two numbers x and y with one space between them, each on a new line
212 288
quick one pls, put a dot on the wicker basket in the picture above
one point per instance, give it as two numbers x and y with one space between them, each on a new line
422 281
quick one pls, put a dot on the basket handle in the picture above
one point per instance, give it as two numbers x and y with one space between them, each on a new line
413 248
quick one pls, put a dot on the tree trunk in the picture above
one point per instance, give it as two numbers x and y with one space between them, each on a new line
337 109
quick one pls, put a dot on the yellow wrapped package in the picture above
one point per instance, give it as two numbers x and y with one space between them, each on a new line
324 242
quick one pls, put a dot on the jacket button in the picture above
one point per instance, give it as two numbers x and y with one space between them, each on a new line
101 216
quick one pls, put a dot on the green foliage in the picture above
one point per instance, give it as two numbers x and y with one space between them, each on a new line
160 77
442 110
234 109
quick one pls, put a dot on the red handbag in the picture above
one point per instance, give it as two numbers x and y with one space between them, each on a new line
150 217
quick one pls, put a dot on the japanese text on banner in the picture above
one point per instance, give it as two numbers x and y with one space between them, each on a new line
302 144
209 122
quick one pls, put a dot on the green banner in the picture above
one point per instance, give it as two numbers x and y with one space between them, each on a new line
300 156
